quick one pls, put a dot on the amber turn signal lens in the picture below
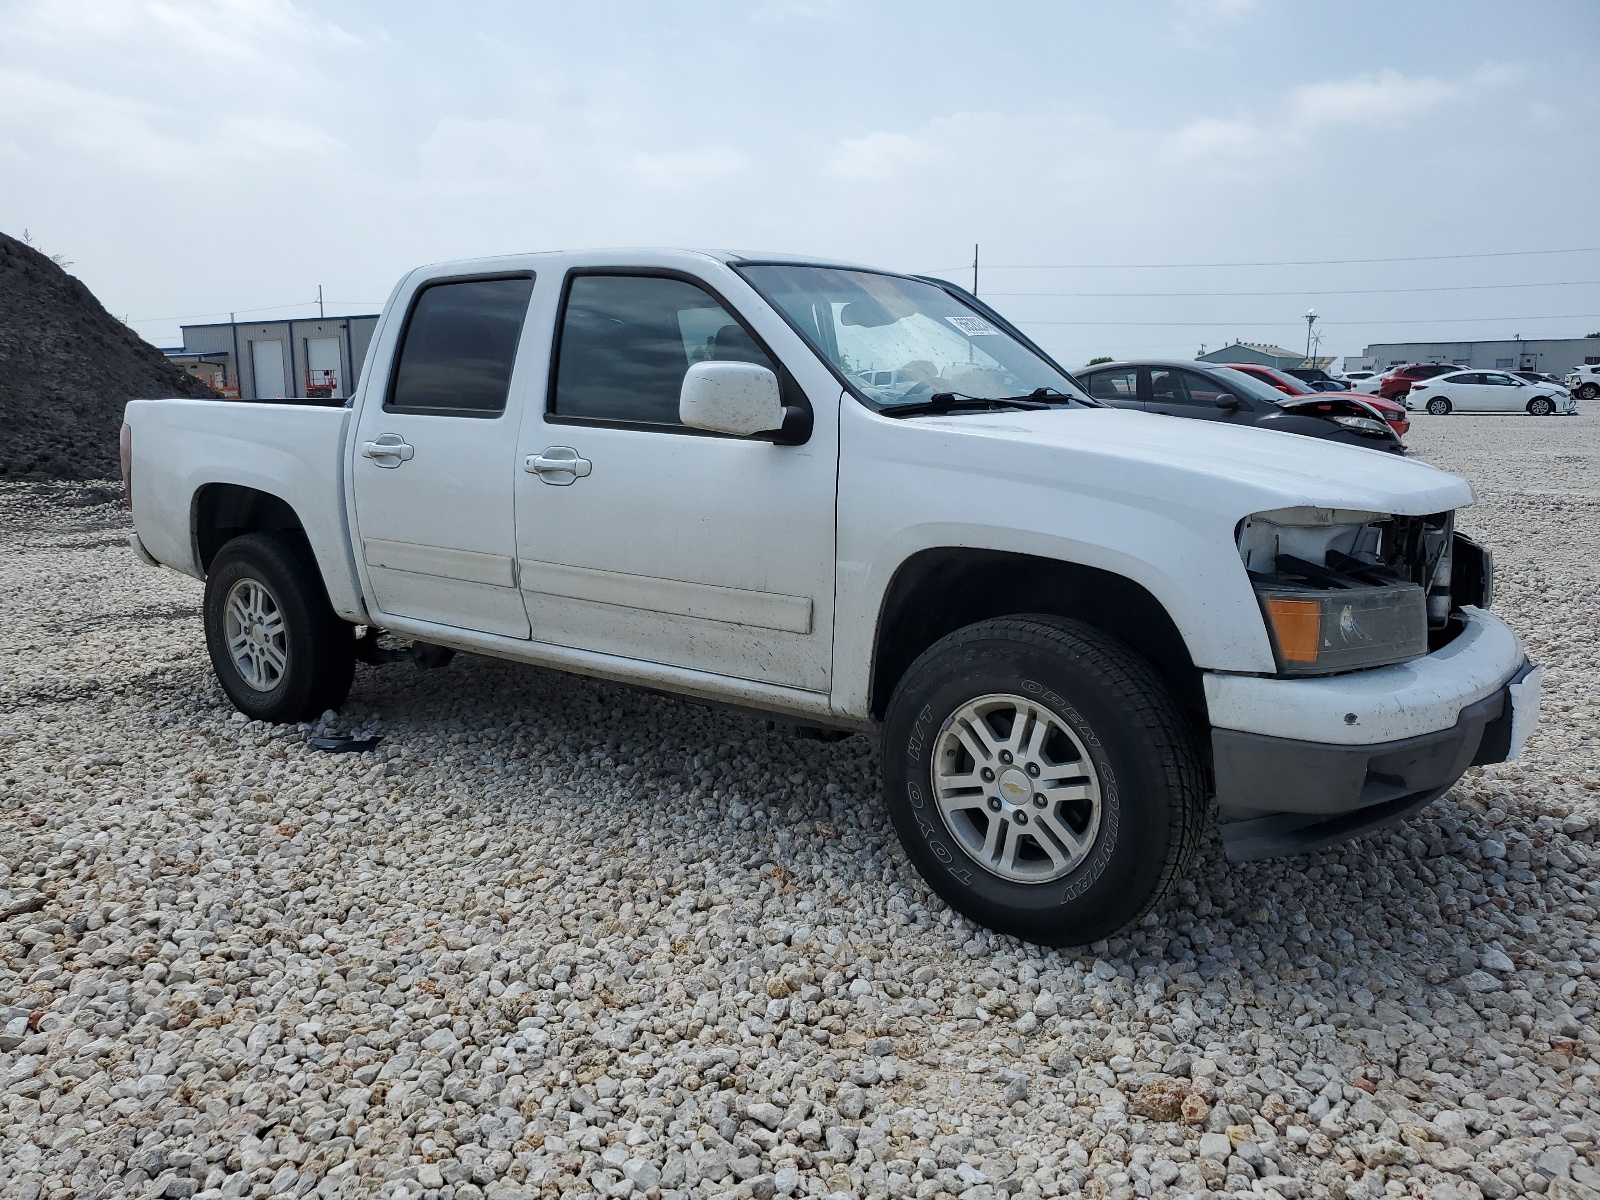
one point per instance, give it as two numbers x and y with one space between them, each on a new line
1298 625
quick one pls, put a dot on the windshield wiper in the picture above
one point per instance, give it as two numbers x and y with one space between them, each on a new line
948 402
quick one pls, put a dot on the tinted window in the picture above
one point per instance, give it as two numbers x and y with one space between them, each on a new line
1201 389
1470 377
1499 380
1170 386
1115 385
628 340
459 347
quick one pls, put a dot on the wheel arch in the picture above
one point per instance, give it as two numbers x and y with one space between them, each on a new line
968 584
220 512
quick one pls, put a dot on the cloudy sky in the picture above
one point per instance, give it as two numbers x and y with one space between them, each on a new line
1127 169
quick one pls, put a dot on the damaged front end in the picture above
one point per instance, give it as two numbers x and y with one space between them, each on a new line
1347 590
1344 594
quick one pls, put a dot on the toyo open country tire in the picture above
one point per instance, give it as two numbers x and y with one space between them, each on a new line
277 647
1439 406
1042 779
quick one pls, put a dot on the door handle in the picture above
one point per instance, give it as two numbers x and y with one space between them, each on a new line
558 465
388 450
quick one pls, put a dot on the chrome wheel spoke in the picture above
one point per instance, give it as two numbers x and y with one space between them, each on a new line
994 840
1061 833
978 739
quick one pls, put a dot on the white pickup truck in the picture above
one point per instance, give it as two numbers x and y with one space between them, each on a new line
856 500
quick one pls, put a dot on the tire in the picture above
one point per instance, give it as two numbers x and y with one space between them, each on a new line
277 647
1439 407
1540 406
1589 391
1131 790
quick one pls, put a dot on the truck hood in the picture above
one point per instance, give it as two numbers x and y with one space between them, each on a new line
1203 464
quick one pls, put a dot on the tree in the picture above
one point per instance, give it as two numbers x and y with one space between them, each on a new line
1103 358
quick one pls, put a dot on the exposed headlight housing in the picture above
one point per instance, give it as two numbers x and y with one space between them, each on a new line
1364 424
1345 590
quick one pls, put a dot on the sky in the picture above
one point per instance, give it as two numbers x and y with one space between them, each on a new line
1141 179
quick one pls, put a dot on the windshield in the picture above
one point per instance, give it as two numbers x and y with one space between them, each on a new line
1247 384
901 341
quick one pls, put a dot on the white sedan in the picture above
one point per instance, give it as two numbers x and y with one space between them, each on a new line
1489 391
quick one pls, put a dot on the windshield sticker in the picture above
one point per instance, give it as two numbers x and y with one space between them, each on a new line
973 326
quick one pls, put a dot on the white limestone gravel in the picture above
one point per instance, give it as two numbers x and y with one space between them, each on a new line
554 937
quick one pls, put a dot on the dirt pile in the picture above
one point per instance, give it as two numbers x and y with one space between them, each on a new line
67 367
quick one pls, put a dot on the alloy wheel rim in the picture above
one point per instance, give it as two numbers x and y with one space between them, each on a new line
257 640
1016 788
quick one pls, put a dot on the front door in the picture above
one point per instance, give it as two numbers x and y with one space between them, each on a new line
1499 392
642 538
1181 393
435 462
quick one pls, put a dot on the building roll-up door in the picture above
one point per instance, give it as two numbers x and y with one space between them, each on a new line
266 361
322 364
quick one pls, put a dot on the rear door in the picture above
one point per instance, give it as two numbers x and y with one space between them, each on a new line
1116 385
434 463
664 543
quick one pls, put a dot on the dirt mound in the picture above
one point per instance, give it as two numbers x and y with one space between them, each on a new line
67 367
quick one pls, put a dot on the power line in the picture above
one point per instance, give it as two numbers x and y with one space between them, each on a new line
1372 321
1310 262
1465 287
267 308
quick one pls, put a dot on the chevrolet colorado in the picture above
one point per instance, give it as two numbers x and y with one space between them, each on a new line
856 500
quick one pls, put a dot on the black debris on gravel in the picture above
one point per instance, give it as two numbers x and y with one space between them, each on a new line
67 367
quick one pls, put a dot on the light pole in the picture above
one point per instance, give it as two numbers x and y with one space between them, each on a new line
1311 319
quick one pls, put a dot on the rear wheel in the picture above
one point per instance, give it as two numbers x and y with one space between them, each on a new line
1438 406
1540 406
276 645
1042 779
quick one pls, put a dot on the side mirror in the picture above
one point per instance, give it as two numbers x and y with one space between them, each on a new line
1228 401
731 397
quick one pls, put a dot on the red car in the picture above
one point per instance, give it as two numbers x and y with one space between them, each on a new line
1393 413
1397 383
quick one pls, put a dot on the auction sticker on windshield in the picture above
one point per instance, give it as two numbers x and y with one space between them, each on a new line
973 326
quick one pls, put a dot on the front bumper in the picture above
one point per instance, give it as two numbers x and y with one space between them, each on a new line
1305 763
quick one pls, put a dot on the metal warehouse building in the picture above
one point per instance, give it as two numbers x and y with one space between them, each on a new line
318 357
1556 356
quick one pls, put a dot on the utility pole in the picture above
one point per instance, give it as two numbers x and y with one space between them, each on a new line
1311 319
974 268
321 313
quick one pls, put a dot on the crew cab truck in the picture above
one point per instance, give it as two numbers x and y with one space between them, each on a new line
855 500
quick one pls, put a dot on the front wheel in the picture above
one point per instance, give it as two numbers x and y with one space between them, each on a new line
1540 406
276 645
1589 391
1438 406
1042 779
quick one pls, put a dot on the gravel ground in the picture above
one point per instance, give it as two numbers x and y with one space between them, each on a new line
557 937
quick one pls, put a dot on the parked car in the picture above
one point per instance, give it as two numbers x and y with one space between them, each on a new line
1360 376
1389 410
1584 382
1540 377
1490 391
1225 394
1317 379
1397 382
1075 630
